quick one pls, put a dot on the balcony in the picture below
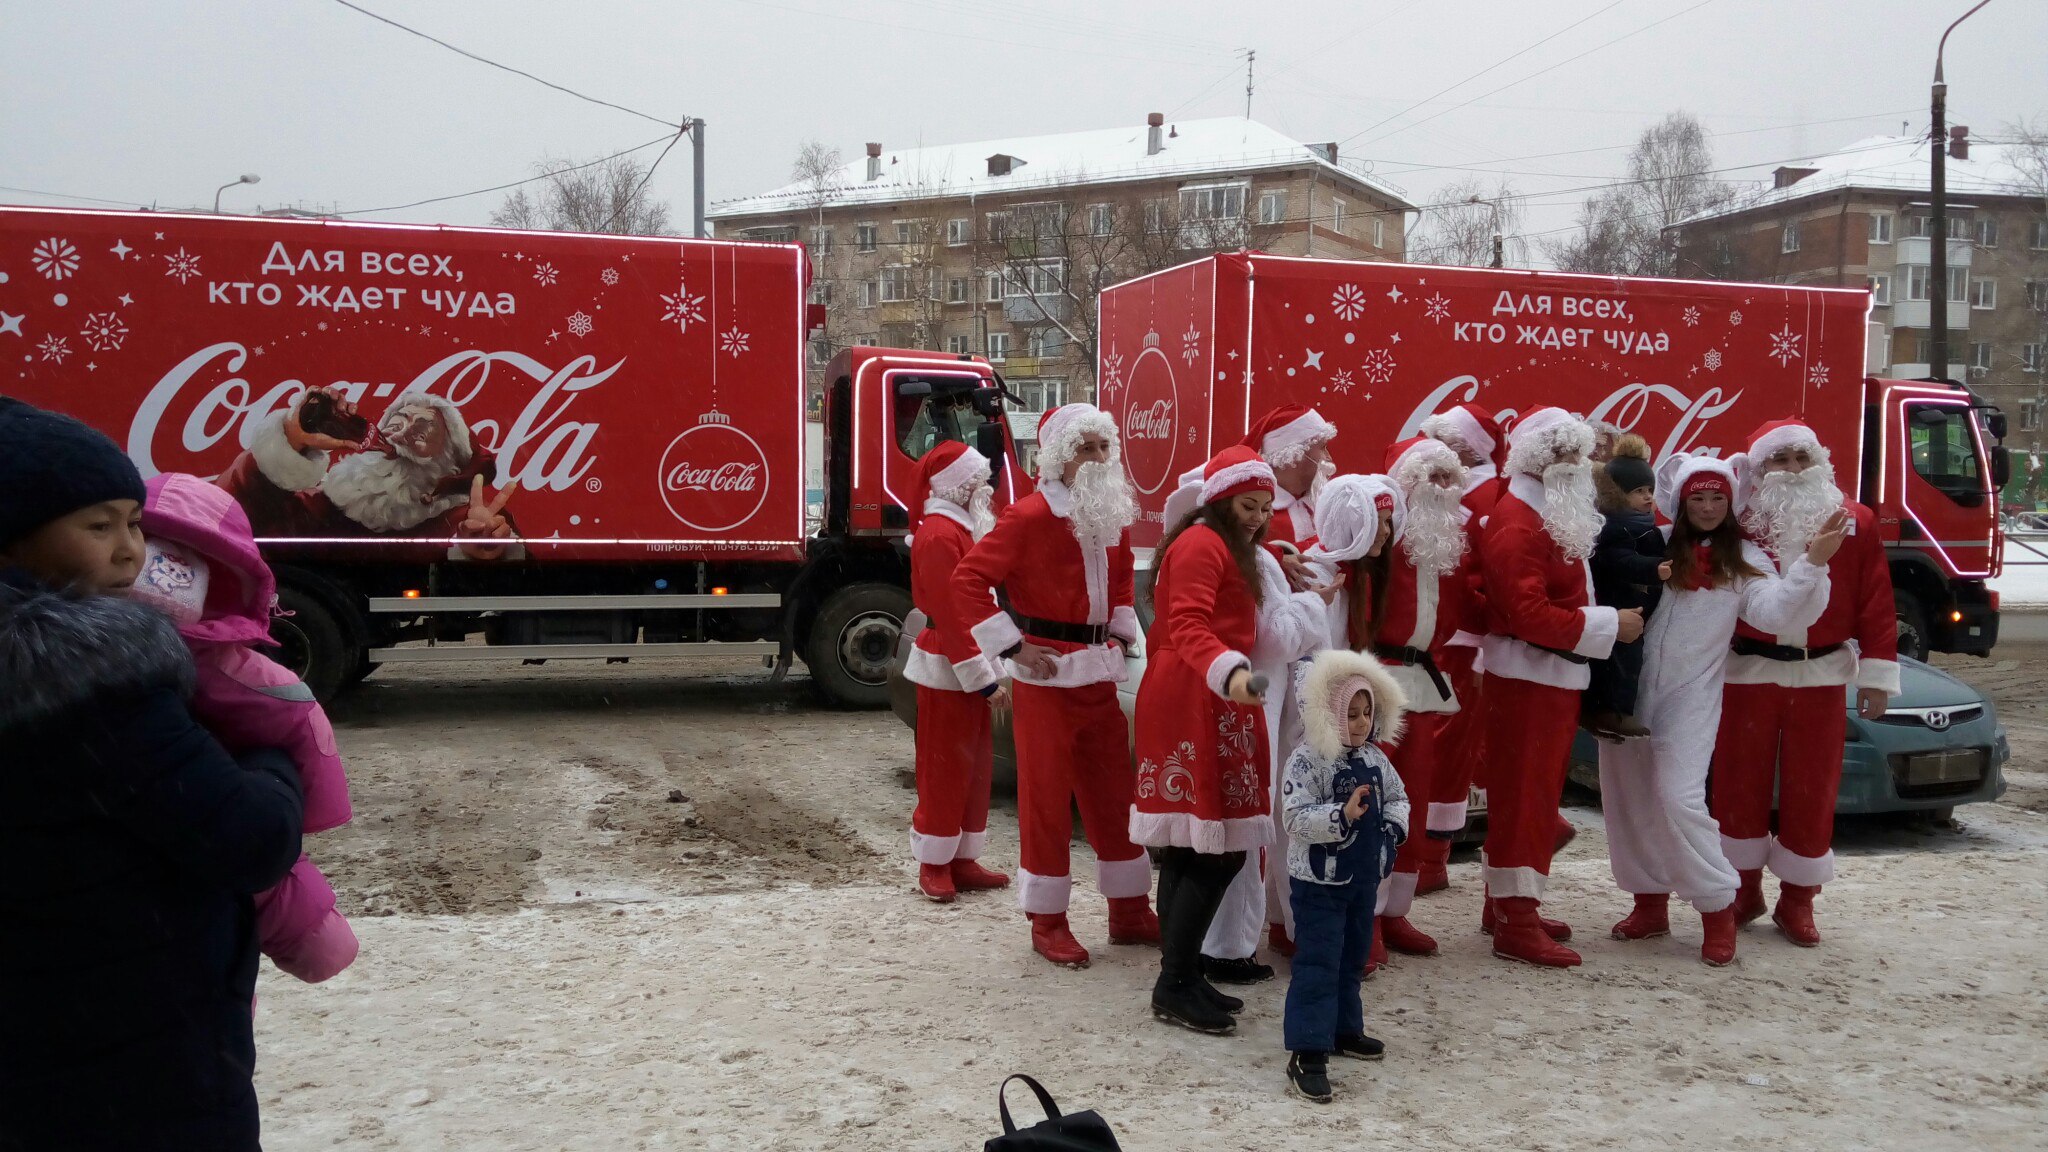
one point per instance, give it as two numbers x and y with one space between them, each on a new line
1919 313
1920 250
1035 309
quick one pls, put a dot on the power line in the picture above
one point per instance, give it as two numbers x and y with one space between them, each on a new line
506 67
530 179
1408 167
68 196
642 187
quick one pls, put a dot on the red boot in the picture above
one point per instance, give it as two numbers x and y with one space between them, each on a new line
1555 929
970 876
1520 935
1403 937
1434 875
1376 956
1132 921
1794 914
1276 938
1566 833
1749 900
1052 939
1652 917
1719 949
936 882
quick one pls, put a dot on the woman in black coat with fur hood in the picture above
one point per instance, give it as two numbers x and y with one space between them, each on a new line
130 842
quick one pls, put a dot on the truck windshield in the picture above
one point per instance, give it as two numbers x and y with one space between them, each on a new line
923 422
1944 453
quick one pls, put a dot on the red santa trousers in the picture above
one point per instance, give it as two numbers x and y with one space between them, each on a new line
1074 750
953 773
1415 760
1461 746
1793 737
1529 730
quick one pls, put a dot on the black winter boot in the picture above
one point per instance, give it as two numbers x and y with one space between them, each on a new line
1228 1003
1360 1047
1308 1076
1245 971
1187 1006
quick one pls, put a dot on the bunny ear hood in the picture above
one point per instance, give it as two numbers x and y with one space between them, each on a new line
1339 672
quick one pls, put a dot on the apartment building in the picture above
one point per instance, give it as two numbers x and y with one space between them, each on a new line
998 247
1860 216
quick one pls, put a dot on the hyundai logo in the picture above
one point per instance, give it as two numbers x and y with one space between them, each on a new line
1937 719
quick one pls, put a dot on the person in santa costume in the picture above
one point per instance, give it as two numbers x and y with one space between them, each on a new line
1423 608
1481 444
957 686
1783 723
1653 792
1541 628
1294 440
1062 560
1202 747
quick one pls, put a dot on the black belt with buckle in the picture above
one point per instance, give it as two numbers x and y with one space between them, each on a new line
1061 631
1562 653
1419 658
1746 646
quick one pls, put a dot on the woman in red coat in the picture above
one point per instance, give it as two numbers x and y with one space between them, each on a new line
1202 791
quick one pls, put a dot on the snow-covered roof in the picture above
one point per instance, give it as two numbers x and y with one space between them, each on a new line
1888 164
1192 148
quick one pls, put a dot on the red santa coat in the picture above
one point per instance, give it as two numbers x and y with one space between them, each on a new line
1423 615
945 657
1202 758
1482 492
1033 555
288 493
1536 599
1860 616
1293 526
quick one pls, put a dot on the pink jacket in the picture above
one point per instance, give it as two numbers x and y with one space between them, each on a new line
204 571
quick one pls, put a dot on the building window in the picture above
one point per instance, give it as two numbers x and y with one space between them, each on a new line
1918 281
956 232
1987 232
903 232
1789 240
1337 216
1040 395
1722 253
1101 218
957 345
867 293
992 288
1880 227
1043 278
895 283
1272 206
1923 349
781 234
998 347
821 350
821 292
1214 202
998 226
1379 232
1046 342
1983 293
864 236
2030 357
956 290
1980 355
1919 226
821 241
2037 295
1880 290
1155 216
2030 416
2037 237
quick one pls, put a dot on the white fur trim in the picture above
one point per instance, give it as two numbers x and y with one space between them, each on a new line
967 468
1292 441
1446 817
1099 664
1837 667
1519 660
1597 638
1095 572
1541 436
930 670
1805 871
951 511
1325 731
996 635
1250 471
1677 469
971 845
289 470
1789 436
1063 433
1211 837
977 672
1459 425
933 849
1043 894
1221 669
1882 674
1526 883
1745 855
1418 460
1123 624
1400 894
1123 879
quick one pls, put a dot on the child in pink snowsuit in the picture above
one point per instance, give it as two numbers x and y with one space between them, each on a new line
202 569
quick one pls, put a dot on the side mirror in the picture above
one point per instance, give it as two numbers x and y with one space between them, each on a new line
914 388
1994 422
989 441
989 402
2001 466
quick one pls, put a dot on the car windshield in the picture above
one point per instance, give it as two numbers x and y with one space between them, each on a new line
923 422
1943 452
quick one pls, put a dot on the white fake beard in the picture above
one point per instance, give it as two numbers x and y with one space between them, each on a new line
386 493
1324 472
1570 511
1102 506
1788 508
980 503
1434 532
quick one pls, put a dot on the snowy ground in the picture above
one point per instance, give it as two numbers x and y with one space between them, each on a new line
2025 578
646 908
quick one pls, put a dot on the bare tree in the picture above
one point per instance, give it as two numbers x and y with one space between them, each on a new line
1621 227
1463 229
608 196
817 163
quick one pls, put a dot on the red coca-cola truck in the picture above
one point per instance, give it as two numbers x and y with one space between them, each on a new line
1190 355
462 444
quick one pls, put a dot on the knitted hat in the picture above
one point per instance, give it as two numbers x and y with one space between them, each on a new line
1235 470
1475 428
51 466
948 466
1630 473
1288 433
1540 436
1061 430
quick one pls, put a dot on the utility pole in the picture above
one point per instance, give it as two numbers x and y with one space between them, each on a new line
1937 289
1250 54
697 176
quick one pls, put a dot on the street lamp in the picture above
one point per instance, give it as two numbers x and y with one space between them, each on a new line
252 178
1937 289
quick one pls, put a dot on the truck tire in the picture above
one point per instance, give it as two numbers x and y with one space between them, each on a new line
1913 636
312 642
853 643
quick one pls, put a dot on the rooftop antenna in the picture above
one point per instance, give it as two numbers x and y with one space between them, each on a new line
1250 54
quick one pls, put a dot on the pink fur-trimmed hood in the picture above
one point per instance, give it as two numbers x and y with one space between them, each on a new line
191 512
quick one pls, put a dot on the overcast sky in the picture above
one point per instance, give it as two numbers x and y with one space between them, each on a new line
141 101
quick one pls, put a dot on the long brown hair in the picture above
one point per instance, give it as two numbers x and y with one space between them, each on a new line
1217 515
1374 573
1724 552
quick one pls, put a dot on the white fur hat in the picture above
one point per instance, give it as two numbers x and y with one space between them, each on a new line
1348 518
1678 470
1333 678
1538 438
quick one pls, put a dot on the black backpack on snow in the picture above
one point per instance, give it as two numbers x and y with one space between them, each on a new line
1079 1132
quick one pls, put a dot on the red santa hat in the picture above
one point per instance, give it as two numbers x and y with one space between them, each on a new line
1539 437
1680 474
1231 472
1474 427
1348 516
1410 462
1288 433
1061 430
1777 435
948 466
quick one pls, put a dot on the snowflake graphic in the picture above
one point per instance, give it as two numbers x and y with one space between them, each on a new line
1437 307
104 331
1691 317
183 265
579 323
1735 317
1341 380
1713 360
322 326
610 276
682 307
1378 366
1190 344
545 273
1348 301
54 349
1785 345
55 258
1817 375
1191 435
1112 368
732 342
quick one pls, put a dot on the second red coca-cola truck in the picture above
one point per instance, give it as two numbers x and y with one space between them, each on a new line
460 444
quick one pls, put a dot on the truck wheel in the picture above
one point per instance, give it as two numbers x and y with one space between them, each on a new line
1913 638
312 643
853 643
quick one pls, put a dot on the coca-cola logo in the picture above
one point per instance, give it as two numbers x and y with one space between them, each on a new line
1632 408
1150 420
714 477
